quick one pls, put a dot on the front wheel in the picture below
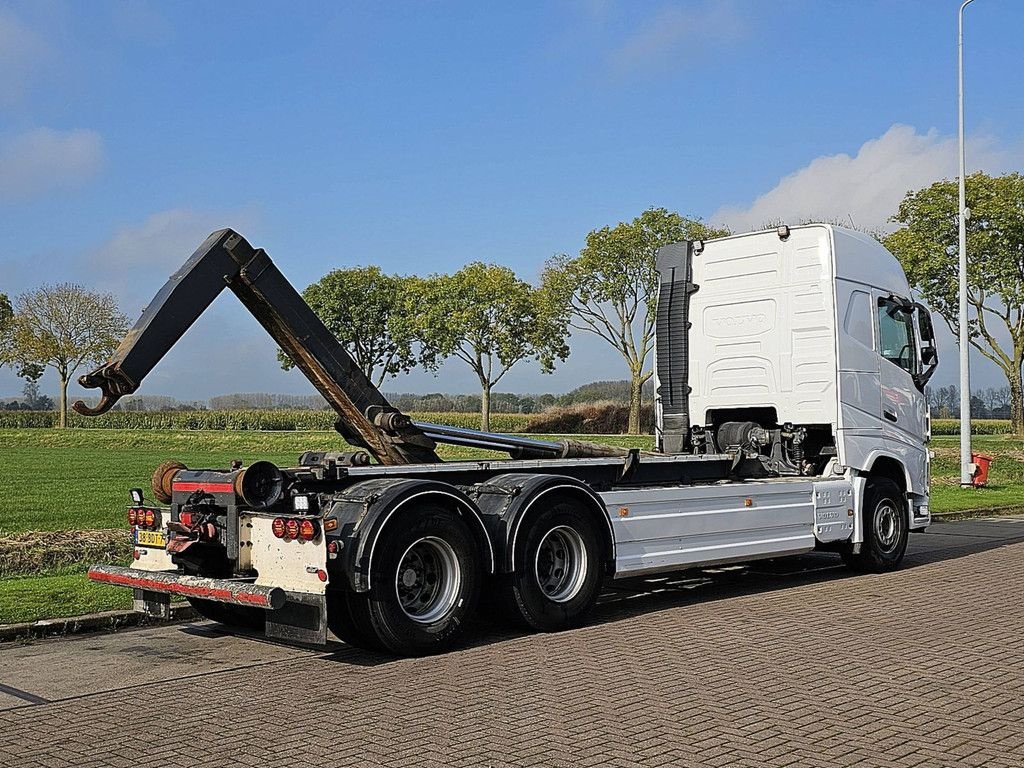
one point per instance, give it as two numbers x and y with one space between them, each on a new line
424 583
886 528
560 565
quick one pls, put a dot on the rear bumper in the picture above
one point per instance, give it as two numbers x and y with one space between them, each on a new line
172 583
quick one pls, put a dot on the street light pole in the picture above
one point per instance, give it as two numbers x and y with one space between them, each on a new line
965 337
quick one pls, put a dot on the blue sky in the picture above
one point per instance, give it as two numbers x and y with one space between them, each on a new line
421 136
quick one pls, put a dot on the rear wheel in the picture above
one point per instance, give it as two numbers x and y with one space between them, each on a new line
230 615
560 561
424 583
886 528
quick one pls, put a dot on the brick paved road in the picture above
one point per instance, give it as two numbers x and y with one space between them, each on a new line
786 664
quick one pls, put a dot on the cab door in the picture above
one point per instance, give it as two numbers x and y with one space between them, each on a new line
903 404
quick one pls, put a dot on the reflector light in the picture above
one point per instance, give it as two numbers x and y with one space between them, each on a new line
307 530
321 574
150 518
185 518
278 527
291 528
137 554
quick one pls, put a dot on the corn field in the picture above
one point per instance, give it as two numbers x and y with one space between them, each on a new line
252 420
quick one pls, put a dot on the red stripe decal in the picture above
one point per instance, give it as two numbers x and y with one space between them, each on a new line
141 582
208 487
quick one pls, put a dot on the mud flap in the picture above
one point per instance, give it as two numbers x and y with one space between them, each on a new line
302 620
155 604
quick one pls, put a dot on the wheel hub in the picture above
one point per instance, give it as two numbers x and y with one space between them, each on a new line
887 525
561 564
428 580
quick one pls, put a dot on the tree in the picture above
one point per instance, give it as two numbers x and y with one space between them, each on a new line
927 246
489 319
6 318
64 327
611 288
34 401
357 305
944 401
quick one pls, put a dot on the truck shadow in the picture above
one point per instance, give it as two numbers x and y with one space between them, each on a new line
630 598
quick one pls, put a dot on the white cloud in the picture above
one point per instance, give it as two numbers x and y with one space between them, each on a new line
868 186
678 34
44 160
22 52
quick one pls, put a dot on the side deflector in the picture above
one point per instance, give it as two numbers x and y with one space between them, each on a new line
226 259
672 354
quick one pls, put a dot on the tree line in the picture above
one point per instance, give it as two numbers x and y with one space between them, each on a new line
433 402
489 319
990 403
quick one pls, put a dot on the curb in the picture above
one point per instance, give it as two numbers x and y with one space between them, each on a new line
971 514
107 621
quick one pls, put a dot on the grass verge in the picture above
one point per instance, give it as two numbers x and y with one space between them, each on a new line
1006 479
53 596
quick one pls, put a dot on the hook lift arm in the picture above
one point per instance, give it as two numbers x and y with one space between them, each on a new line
365 417
226 259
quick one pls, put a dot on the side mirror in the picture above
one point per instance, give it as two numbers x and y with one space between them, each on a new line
929 353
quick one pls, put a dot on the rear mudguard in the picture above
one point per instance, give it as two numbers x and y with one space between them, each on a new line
357 517
506 500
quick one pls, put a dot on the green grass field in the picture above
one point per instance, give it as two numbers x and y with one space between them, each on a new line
78 479
1006 478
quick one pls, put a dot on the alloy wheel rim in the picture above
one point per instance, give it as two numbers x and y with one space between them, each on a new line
428 580
560 565
887 525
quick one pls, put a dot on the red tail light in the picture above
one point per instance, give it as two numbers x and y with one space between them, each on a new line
308 530
278 527
132 516
185 518
291 528
150 518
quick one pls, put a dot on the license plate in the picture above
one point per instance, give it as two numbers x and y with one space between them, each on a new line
150 539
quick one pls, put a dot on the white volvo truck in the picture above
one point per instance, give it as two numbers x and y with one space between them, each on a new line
790 368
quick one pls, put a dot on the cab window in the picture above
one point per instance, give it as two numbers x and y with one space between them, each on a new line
896 334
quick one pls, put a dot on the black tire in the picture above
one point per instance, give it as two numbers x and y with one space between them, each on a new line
559 568
886 529
429 555
342 623
230 615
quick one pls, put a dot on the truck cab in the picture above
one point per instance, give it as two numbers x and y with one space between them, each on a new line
812 327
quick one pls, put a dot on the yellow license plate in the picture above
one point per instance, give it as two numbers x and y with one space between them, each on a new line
150 539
